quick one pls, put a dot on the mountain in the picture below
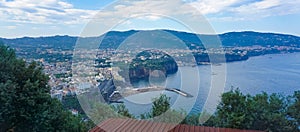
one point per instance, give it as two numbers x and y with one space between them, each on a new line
63 42
246 38
114 38
254 38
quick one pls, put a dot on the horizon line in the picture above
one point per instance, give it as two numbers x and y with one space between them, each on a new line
68 35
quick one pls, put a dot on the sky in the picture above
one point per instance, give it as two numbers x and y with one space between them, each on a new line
36 18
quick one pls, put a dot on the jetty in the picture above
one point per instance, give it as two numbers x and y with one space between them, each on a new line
117 95
183 93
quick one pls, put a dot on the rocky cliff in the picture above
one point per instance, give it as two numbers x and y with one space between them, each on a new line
149 61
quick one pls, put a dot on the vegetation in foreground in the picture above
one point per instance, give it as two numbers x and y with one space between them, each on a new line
264 112
272 113
25 101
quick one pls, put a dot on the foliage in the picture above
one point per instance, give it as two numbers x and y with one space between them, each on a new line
162 112
71 102
101 112
294 109
160 105
122 110
260 112
231 110
25 101
170 116
192 119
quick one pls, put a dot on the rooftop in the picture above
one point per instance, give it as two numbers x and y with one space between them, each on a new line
131 125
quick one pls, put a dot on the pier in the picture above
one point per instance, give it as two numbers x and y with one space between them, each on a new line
117 95
185 94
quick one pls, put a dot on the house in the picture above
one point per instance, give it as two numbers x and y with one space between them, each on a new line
132 125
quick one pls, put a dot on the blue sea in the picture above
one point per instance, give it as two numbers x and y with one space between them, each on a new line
274 73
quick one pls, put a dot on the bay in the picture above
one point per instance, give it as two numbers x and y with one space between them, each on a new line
274 73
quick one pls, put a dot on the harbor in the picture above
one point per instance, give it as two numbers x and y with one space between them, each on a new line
117 95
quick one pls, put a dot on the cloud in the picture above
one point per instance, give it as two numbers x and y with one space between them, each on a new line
266 8
221 10
60 12
235 10
213 6
146 10
11 27
43 12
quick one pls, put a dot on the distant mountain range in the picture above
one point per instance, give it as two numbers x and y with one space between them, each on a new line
114 38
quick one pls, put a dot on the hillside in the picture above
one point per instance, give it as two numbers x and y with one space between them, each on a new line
114 38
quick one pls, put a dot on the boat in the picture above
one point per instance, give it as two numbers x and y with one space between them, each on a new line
218 64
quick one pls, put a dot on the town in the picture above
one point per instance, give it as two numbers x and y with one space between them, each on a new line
104 65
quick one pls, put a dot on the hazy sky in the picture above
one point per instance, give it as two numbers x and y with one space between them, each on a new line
69 17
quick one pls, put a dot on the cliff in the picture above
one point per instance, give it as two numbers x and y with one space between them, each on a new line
148 61
219 58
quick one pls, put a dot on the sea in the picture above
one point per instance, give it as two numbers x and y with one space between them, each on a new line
273 73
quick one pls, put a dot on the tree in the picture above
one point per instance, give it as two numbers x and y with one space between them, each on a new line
294 109
71 102
160 105
100 112
191 119
231 111
25 101
268 112
260 112
122 110
162 112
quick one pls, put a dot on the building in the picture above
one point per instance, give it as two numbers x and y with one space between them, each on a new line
131 125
